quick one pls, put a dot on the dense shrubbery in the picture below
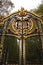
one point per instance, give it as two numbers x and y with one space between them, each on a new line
13 50
33 50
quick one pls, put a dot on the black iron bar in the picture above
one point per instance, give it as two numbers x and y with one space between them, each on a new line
22 61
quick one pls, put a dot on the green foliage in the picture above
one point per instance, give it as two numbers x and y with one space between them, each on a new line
13 50
33 48
39 10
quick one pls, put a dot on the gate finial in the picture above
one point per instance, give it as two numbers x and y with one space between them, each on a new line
22 12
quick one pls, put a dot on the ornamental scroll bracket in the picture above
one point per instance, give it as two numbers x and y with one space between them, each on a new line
15 23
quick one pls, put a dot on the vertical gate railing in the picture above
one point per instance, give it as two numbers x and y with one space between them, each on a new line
22 32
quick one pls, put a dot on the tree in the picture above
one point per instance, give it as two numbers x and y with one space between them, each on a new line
5 7
39 10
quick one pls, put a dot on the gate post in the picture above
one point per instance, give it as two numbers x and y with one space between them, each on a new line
22 53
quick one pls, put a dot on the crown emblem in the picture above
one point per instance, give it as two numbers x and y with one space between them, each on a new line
22 12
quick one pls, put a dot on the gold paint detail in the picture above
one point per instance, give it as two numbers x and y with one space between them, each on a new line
18 31
22 13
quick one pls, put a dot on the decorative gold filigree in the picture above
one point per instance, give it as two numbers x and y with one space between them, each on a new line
22 12
18 30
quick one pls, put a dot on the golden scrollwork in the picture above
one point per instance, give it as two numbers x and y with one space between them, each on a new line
18 30
17 18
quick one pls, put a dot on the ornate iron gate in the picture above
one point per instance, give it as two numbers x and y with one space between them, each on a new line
22 25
